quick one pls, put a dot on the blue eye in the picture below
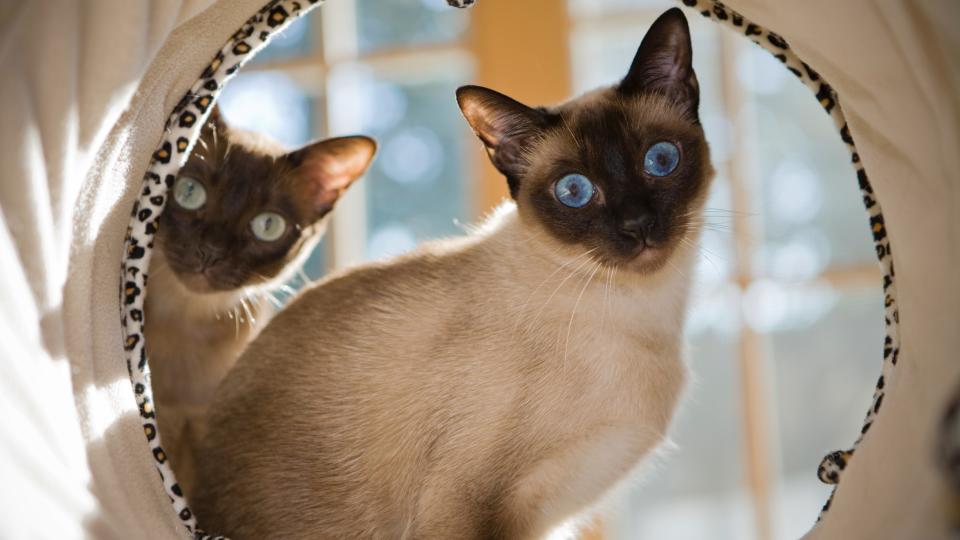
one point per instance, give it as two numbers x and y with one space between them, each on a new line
574 190
661 159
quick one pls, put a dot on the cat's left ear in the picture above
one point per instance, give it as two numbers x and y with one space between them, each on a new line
325 169
664 64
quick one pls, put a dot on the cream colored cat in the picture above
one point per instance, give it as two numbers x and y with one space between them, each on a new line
489 386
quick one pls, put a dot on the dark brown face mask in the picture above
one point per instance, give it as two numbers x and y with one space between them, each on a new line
619 171
242 209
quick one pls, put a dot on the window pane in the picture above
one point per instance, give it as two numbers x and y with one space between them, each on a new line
269 102
397 23
295 40
418 187
601 7
812 212
827 357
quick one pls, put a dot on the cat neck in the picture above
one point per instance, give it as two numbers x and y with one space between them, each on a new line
544 275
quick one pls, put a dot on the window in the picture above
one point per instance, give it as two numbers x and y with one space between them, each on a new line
785 331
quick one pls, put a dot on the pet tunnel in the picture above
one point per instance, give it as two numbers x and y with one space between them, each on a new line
102 103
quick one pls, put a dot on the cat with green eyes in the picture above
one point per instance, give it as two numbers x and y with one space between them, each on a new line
243 216
497 384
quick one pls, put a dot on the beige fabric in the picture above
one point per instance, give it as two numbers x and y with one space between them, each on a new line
86 88
83 97
896 67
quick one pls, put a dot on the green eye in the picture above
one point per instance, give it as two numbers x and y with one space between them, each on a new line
189 193
268 226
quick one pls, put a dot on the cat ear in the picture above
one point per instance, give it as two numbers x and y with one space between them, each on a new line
212 128
507 128
664 63
325 169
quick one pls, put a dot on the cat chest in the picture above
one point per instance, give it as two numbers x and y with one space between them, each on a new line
590 373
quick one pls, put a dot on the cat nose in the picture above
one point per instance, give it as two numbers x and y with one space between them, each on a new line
637 228
208 256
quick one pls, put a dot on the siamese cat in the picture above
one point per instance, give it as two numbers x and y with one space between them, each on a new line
495 385
243 216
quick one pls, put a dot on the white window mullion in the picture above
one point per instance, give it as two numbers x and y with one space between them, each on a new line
348 230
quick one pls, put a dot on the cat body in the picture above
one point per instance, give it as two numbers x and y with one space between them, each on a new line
244 215
494 385
496 410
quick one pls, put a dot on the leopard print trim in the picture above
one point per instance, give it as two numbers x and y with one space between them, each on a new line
834 463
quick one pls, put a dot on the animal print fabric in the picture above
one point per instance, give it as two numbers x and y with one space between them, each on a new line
834 463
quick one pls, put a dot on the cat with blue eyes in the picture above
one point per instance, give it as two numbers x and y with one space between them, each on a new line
243 216
497 384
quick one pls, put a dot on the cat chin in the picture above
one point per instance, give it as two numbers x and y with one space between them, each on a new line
646 261
200 283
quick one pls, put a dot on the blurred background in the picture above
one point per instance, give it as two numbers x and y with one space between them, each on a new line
786 328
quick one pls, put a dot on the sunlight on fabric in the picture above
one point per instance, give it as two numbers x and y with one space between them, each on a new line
104 410
42 454
37 198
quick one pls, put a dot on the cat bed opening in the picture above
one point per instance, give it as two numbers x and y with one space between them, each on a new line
192 110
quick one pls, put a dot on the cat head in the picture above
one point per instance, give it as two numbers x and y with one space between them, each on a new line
621 171
242 209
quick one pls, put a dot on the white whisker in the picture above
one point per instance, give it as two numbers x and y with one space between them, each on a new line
246 309
573 313
537 288
537 315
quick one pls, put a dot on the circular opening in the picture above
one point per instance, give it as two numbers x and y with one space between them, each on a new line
783 264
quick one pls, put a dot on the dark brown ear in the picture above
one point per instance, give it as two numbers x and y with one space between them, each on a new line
325 169
212 130
664 63
507 128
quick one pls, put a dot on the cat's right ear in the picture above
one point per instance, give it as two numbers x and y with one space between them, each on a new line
325 169
506 127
